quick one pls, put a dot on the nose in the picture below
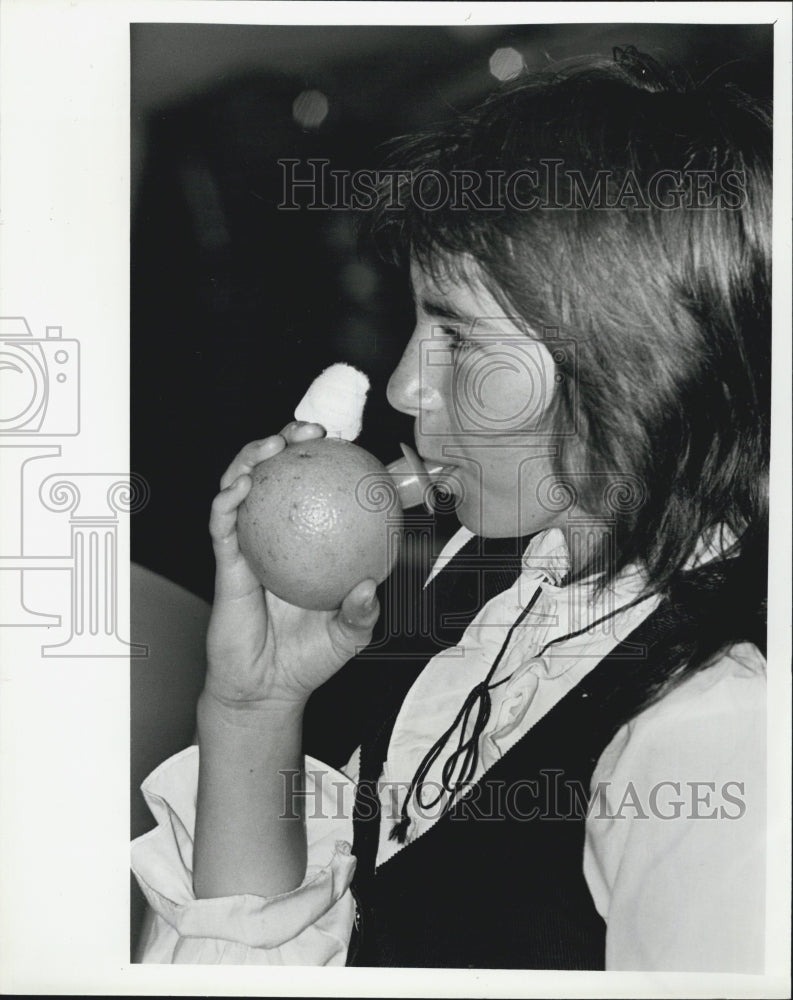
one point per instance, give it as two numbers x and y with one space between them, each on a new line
412 388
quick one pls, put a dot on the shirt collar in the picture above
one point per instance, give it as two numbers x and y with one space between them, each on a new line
547 558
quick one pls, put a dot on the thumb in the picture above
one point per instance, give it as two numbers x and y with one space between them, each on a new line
359 611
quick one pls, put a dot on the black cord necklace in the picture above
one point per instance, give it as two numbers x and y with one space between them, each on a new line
467 752
466 755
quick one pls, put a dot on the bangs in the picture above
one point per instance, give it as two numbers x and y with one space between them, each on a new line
419 173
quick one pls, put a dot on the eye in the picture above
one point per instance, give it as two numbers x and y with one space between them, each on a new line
454 338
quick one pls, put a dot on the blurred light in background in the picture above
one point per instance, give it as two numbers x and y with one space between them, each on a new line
506 64
359 281
310 109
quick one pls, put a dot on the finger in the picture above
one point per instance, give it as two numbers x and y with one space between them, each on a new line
359 611
300 430
223 517
250 456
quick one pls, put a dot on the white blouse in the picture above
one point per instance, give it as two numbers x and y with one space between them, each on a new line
674 854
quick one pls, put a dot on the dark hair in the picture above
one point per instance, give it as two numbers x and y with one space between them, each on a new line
665 292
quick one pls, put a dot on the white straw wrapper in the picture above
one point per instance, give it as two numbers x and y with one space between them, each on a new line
336 399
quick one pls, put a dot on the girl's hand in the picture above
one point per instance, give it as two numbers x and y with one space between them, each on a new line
260 649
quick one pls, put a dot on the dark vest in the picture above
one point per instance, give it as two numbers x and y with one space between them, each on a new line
497 882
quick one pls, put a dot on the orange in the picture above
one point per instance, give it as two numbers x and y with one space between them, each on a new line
321 516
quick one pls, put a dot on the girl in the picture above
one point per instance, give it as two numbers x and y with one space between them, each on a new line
565 769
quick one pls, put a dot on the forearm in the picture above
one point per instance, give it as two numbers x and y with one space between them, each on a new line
248 838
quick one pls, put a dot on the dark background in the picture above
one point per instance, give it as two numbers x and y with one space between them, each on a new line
236 306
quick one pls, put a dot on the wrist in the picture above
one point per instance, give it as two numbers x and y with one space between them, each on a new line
214 712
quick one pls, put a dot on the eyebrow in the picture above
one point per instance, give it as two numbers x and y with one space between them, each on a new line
441 310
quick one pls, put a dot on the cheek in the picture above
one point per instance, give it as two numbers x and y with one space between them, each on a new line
505 388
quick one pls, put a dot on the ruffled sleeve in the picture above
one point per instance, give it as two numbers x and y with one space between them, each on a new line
309 926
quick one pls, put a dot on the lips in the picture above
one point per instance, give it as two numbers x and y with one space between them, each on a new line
436 468
420 465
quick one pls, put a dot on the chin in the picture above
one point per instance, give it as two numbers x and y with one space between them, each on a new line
471 516
498 524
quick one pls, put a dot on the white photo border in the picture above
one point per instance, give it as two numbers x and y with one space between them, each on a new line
64 749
